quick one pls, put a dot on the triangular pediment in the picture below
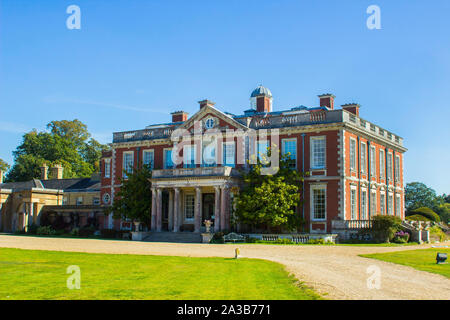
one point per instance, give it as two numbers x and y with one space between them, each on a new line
223 120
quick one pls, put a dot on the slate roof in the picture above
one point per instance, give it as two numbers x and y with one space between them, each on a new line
78 184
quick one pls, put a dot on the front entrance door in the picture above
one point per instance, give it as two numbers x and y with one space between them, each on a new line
208 207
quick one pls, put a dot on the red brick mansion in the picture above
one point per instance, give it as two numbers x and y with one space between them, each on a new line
356 167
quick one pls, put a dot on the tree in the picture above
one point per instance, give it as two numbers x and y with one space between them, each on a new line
134 199
444 212
65 144
3 165
270 200
425 212
418 195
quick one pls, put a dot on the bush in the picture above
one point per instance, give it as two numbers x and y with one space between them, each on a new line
45 231
108 233
401 237
75 232
427 213
385 227
417 217
436 232
32 229
217 238
86 232
316 241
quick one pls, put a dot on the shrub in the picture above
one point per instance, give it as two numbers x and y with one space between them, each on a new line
75 232
401 237
32 229
45 231
436 232
217 238
86 232
417 217
108 233
316 241
427 213
385 227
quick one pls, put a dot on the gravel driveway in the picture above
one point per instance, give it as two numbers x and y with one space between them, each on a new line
334 271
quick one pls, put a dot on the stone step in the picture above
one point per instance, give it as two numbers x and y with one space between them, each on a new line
177 237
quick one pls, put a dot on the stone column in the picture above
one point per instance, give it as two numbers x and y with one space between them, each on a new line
153 221
158 209
198 210
217 209
223 208
176 210
170 210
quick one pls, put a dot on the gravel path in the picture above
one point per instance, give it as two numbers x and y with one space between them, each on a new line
335 271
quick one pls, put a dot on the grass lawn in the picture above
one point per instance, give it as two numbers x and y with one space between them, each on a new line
33 274
421 259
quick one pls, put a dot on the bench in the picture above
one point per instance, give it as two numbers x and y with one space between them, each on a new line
233 237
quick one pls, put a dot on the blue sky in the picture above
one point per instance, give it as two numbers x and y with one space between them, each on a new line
134 62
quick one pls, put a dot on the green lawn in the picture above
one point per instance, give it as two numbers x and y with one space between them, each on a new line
421 259
32 274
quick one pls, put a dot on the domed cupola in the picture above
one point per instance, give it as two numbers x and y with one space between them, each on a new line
261 99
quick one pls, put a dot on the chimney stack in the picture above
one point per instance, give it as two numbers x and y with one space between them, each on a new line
179 116
352 107
57 171
44 172
327 100
205 103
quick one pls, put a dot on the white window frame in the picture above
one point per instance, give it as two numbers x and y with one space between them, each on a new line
352 154
382 164
65 200
397 168
373 204
373 161
363 157
313 164
205 145
165 158
383 203
186 196
124 168
398 205
152 152
95 201
314 187
353 203
107 168
283 151
79 201
185 163
363 202
106 198
390 211
389 166
224 155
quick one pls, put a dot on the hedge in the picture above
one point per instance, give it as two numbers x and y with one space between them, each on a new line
427 213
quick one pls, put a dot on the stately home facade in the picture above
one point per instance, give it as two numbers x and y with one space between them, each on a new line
355 167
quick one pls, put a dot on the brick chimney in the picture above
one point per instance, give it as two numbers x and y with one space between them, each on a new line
179 116
56 171
44 172
327 100
352 107
205 103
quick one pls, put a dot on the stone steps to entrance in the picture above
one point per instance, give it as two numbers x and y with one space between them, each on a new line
178 237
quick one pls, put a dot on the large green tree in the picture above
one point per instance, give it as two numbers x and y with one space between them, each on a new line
134 199
270 200
418 195
67 143
3 165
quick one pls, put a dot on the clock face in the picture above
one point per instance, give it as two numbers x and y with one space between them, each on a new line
209 123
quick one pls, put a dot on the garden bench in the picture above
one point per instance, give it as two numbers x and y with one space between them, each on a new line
233 237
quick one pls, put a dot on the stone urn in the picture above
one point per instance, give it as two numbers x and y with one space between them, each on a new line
208 226
136 225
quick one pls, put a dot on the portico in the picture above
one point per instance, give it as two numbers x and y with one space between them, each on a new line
182 199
